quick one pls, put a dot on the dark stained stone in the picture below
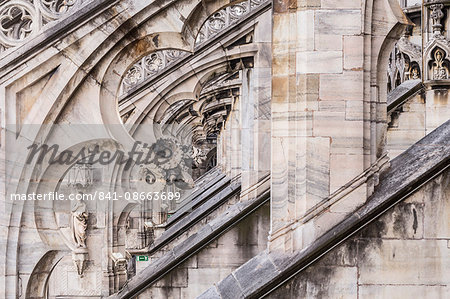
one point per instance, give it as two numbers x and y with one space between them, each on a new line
195 242
197 214
229 288
255 273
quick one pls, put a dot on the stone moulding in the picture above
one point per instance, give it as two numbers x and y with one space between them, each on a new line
370 176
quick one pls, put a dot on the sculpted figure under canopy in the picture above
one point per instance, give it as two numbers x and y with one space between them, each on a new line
79 222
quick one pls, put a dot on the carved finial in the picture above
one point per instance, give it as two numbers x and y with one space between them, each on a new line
436 16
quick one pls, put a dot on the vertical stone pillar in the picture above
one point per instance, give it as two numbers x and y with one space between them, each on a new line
234 124
256 112
317 108
228 144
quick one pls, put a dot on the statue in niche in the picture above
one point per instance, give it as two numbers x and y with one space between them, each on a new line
439 69
415 74
79 222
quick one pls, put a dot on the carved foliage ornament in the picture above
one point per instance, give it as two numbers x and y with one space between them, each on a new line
149 66
20 19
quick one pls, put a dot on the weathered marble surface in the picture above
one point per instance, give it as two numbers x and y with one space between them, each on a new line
409 172
328 100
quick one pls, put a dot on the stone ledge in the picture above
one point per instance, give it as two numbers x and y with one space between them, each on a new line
402 93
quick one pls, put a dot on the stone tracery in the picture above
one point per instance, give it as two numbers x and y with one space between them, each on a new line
21 19
17 22
404 63
226 17
156 62
149 66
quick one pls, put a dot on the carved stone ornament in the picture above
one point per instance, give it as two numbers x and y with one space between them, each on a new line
17 22
150 66
225 17
436 15
79 222
415 73
79 258
439 68
120 262
55 9
21 19
200 155
156 62
404 64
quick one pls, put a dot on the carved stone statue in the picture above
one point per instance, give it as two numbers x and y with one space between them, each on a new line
415 74
79 223
439 69
436 16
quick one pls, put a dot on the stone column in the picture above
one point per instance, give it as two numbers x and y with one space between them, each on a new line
255 113
234 124
317 108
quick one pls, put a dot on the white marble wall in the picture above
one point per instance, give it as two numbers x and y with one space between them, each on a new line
327 119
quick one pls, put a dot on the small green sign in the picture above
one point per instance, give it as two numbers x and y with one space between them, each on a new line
142 258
